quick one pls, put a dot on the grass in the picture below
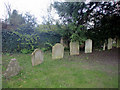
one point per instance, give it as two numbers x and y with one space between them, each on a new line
69 72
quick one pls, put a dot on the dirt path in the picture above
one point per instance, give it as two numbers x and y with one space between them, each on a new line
99 60
108 57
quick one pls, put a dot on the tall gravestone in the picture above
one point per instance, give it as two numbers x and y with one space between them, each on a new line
12 69
109 46
37 57
57 51
88 46
104 46
61 40
74 48
118 43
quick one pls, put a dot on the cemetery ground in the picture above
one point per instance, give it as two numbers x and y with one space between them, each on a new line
96 70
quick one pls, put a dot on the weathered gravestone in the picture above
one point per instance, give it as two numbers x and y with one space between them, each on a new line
12 69
88 46
37 57
118 43
109 46
57 51
74 48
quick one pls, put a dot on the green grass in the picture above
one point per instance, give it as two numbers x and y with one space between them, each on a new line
69 72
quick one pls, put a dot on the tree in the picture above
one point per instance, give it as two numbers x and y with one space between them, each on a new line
97 17
16 19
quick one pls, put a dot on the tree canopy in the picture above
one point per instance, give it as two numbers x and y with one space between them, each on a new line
99 19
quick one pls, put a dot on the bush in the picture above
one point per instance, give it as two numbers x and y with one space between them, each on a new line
66 48
25 51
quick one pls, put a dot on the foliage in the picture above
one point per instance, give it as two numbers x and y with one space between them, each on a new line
25 35
9 41
78 34
25 51
97 17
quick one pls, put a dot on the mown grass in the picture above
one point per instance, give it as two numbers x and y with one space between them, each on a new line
69 72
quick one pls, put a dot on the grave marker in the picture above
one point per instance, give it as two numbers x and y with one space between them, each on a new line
74 48
109 43
12 69
57 51
88 46
37 57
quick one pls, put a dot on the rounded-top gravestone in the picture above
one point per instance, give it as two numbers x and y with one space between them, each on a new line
57 51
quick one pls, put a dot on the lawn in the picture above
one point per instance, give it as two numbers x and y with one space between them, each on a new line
69 72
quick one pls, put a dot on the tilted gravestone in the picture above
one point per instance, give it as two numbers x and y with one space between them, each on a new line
88 46
109 46
37 57
74 48
118 43
12 69
57 51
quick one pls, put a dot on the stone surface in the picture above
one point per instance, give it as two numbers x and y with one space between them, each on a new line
74 48
61 40
104 46
12 69
57 51
118 43
88 46
109 46
37 57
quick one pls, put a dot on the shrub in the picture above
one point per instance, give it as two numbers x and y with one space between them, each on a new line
25 51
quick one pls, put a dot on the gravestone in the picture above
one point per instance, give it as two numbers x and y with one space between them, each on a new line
61 40
118 43
88 46
109 43
57 51
104 46
37 57
74 48
12 69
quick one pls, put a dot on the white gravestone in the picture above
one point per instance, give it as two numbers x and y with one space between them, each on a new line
104 46
88 46
109 44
